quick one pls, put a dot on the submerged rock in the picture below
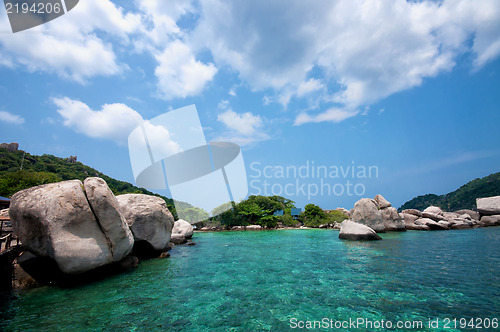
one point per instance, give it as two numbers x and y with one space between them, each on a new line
350 230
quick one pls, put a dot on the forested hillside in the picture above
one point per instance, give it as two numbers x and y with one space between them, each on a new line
462 198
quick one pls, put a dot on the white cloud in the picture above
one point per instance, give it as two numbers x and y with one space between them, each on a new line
11 118
223 104
113 121
332 115
180 74
308 87
69 46
371 49
243 128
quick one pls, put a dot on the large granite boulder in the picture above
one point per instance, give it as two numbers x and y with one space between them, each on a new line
148 218
392 220
366 212
350 230
491 220
107 211
434 209
55 220
488 206
183 228
382 202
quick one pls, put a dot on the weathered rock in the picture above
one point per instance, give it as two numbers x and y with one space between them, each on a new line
55 220
148 218
434 209
254 227
444 224
430 223
459 223
465 216
409 218
488 205
178 239
392 220
350 230
473 214
415 212
237 228
382 202
107 211
366 212
323 226
183 227
450 215
491 220
434 216
12 147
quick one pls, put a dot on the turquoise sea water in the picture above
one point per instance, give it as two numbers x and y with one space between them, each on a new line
273 280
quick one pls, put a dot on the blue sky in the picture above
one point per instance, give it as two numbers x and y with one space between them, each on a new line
410 88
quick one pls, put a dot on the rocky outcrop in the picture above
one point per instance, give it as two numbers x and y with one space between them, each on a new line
415 212
488 206
366 212
433 225
434 210
184 228
148 218
473 214
254 227
11 147
350 230
382 202
491 220
107 211
57 221
392 220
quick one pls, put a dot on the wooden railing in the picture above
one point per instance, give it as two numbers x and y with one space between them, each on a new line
7 237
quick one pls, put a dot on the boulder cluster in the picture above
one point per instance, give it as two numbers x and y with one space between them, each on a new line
372 216
84 226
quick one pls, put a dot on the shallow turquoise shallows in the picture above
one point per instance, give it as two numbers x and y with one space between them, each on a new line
277 280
